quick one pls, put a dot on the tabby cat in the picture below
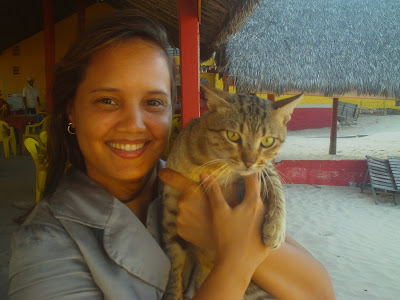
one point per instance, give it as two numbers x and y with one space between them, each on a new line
239 135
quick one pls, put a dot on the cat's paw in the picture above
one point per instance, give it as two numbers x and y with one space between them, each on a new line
274 235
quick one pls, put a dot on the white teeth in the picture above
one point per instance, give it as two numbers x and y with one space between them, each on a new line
126 147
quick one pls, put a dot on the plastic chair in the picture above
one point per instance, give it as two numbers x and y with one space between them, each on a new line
37 154
34 130
7 136
43 138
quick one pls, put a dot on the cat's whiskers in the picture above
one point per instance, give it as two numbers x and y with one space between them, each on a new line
224 167
269 178
265 189
214 161
281 177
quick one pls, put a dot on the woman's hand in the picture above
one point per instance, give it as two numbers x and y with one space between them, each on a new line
205 219
237 230
194 217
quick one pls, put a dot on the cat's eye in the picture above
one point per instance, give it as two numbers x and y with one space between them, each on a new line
233 136
267 142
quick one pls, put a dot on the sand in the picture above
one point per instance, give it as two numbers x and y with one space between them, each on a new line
374 135
357 241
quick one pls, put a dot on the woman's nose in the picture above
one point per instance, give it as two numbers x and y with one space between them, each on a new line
133 118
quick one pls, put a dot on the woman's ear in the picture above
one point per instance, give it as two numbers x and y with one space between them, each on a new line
71 113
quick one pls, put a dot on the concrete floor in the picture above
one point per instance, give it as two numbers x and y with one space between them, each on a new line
17 194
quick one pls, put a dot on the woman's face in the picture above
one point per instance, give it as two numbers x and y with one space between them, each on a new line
122 112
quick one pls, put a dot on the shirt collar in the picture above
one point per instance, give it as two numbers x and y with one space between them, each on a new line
126 239
80 199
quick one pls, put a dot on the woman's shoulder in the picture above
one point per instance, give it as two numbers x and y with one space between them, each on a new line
39 238
45 261
41 222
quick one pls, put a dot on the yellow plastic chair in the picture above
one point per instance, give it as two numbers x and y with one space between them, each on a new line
7 136
34 130
37 154
43 138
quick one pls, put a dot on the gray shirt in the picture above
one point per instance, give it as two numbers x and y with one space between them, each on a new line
83 243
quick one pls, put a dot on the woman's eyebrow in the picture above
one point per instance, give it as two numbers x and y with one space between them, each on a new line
158 92
104 89
108 89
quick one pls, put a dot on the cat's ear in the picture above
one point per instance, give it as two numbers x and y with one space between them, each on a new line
215 97
286 106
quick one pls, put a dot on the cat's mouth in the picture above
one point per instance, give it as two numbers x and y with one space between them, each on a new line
246 172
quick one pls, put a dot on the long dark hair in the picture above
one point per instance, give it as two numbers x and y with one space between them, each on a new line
115 28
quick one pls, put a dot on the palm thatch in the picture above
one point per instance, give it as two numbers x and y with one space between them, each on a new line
329 47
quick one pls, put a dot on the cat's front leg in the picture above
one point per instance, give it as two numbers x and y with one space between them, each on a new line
173 245
274 228
177 256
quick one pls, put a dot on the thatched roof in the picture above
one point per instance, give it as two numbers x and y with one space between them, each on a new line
219 18
326 46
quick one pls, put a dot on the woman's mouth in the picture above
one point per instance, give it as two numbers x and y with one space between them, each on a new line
126 147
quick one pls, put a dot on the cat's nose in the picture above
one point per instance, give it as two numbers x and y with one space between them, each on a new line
248 164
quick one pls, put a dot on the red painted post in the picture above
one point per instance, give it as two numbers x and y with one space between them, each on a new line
189 46
49 48
81 16
332 145
225 83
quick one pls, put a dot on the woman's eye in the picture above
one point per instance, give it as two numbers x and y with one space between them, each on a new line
267 142
106 101
155 102
233 136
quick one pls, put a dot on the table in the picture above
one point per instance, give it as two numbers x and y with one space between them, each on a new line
19 121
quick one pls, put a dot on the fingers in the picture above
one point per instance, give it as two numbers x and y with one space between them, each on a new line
176 180
253 188
214 193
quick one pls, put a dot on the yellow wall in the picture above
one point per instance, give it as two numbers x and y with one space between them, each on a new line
361 102
31 58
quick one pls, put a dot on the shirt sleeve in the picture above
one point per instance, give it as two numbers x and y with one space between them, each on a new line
24 92
47 264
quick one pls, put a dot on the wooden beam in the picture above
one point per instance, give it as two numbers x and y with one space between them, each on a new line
332 145
49 48
189 53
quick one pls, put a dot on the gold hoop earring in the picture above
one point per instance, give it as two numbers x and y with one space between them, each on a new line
69 129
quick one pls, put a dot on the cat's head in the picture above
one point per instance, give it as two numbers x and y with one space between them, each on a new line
245 130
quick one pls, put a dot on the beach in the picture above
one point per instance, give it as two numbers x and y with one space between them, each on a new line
356 240
374 135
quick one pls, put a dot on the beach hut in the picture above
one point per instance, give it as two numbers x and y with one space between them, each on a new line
328 47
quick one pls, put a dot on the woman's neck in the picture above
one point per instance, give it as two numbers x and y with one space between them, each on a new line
140 202
135 195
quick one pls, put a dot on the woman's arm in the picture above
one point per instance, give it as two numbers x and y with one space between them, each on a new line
289 272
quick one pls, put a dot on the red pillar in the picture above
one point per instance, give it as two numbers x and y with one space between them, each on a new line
188 15
332 145
271 97
49 48
81 16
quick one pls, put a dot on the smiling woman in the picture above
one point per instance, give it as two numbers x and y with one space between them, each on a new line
122 116
95 234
